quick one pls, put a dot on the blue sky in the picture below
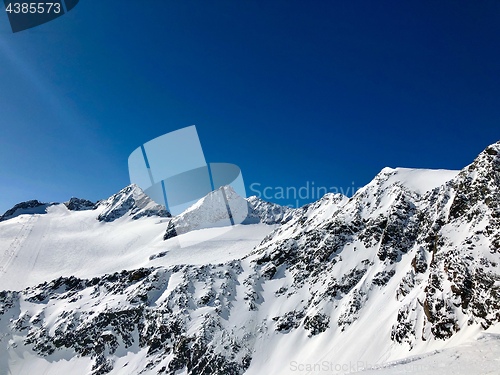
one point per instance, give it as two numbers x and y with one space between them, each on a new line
293 92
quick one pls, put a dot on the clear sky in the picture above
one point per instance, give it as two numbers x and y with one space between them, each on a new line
293 92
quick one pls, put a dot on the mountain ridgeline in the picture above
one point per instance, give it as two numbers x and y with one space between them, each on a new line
409 264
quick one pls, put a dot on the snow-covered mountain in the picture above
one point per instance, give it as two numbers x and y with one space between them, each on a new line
405 271
130 201
26 208
43 241
219 207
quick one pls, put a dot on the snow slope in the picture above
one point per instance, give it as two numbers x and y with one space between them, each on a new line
59 242
478 356
420 181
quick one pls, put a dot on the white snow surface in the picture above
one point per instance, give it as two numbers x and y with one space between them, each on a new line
41 247
480 356
419 181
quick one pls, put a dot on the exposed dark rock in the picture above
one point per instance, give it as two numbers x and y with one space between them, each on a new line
77 204
28 207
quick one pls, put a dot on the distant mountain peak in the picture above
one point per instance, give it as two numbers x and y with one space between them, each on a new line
78 204
28 207
218 207
130 201
261 211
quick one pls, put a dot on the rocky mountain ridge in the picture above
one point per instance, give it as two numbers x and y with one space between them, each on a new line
223 207
130 201
410 263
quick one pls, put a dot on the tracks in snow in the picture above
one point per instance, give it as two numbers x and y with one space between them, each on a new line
11 252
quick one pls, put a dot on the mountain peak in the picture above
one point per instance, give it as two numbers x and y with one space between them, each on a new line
493 149
261 211
489 158
28 207
130 201
478 184
419 181
224 207
78 204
